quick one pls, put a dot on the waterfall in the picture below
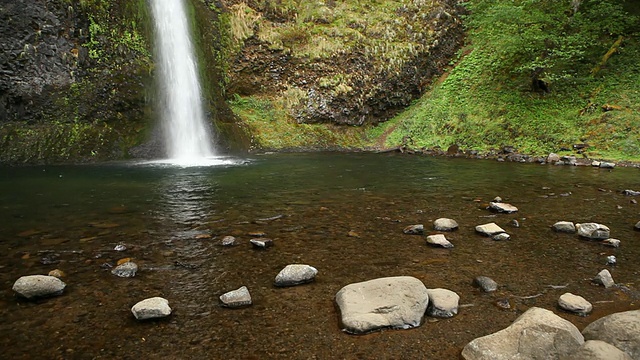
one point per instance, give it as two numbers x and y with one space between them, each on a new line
185 129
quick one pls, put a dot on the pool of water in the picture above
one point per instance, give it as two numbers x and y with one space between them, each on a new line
341 213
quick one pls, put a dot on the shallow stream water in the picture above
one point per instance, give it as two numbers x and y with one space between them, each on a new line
341 213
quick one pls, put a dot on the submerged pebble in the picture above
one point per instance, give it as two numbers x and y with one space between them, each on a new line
126 270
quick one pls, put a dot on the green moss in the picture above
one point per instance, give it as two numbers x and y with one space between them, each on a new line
57 142
271 128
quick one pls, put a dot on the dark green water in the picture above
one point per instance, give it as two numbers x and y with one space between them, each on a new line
172 219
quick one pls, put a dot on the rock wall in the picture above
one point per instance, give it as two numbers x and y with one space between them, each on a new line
329 62
77 82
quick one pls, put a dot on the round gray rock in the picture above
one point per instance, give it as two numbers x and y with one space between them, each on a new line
35 286
152 308
391 302
536 334
489 229
236 298
295 274
564 226
439 240
598 350
621 330
126 270
443 303
593 231
574 303
445 224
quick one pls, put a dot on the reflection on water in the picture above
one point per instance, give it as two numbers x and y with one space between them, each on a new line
342 214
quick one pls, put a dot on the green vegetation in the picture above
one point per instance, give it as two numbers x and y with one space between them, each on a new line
539 75
56 142
272 128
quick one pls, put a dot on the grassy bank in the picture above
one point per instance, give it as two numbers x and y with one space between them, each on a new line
590 94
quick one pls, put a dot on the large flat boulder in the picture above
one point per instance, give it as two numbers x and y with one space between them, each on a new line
392 302
621 330
536 334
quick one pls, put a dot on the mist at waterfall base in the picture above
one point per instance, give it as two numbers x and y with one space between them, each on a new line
187 135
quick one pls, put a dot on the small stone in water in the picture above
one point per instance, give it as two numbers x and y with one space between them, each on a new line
414 229
604 278
228 240
485 283
261 243
151 308
501 237
236 298
57 273
295 274
612 242
575 303
127 270
120 247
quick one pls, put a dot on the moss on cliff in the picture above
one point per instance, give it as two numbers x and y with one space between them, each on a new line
349 62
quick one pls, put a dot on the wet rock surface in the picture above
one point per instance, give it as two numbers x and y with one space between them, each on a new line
394 302
621 330
36 286
536 334
598 350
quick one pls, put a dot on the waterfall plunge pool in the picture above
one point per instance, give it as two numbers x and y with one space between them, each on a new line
341 213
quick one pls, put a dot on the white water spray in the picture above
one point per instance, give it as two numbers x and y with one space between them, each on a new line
186 133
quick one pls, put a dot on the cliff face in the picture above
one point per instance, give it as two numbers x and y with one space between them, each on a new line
77 75
74 82
349 62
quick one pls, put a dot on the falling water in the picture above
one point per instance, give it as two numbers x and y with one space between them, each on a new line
185 130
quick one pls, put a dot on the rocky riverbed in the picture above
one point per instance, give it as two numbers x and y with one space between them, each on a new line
332 213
